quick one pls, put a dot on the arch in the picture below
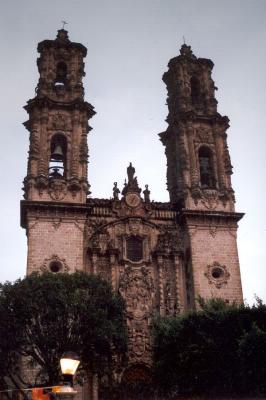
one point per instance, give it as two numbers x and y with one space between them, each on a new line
137 374
195 89
61 73
206 167
58 155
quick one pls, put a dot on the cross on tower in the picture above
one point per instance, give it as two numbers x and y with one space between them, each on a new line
64 23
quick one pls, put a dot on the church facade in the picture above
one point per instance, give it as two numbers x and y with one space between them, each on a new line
159 256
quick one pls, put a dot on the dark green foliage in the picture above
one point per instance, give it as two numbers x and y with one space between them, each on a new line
218 350
42 316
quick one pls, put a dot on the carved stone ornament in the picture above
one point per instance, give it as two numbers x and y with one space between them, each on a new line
57 189
83 149
60 121
54 264
210 198
217 274
134 225
204 136
34 143
168 242
132 199
137 288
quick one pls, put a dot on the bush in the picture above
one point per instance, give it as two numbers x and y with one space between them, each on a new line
212 351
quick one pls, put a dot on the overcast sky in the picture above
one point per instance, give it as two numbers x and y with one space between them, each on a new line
129 45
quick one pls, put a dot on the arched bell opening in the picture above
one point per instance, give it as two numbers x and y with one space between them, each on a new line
61 74
206 167
195 90
58 157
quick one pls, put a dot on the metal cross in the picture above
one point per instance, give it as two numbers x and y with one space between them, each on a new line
64 23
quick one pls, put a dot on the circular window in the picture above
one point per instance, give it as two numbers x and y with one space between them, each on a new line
55 266
217 273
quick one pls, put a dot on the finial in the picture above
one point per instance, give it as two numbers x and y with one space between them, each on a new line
184 40
64 23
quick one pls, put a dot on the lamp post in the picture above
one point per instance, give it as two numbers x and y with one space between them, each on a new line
69 363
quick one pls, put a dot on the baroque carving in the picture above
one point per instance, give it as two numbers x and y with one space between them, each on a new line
217 274
227 161
93 225
168 242
210 198
213 230
83 149
57 189
134 225
60 122
204 135
56 223
34 143
137 288
54 264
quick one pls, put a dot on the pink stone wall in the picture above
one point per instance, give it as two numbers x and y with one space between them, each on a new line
63 239
209 247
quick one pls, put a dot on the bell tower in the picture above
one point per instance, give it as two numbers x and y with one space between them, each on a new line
56 185
58 125
198 161
199 179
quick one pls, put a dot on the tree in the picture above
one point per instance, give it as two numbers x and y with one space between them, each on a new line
42 316
212 351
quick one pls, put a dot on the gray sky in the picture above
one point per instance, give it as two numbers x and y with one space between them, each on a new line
129 45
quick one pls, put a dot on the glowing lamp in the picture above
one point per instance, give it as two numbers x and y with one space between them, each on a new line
69 363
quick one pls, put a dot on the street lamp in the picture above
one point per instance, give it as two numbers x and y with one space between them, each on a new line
69 363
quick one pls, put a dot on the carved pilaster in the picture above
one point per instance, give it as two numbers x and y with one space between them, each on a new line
193 162
43 160
220 162
160 263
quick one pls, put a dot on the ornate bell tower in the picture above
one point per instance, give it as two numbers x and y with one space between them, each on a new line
198 160
58 125
199 179
56 185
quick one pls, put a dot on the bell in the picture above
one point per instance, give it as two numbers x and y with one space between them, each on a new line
57 154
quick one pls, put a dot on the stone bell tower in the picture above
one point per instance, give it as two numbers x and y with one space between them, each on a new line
58 125
56 184
199 177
